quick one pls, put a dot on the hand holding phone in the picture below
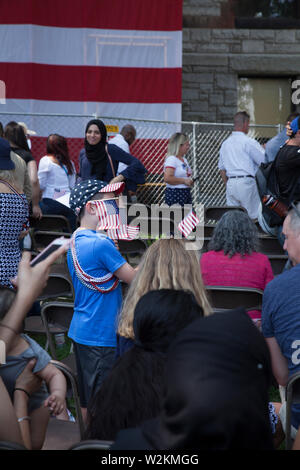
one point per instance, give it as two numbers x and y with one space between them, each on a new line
54 245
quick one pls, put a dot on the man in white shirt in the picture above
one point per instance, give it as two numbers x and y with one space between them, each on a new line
240 157
124 140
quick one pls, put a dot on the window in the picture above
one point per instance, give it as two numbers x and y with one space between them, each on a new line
267 14
267 100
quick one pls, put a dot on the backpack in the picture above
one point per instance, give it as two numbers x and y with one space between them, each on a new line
267 183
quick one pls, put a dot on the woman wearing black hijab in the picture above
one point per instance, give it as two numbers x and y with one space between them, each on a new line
218 375
99 159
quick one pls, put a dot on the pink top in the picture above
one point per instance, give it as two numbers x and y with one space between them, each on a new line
248 271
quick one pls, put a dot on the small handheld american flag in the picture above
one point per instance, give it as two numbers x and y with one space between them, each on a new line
108 213
114 220
189 222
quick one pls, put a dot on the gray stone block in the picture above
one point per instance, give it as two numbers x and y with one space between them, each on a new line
285 36
200 35
199 106
226 113
264 34
230 97
282 48
189 47
185 34
226 82
205 59
188 94
252 45
236 48
216 99
226 34
216 47
265 64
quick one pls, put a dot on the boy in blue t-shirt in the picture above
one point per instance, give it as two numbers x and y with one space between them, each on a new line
96 267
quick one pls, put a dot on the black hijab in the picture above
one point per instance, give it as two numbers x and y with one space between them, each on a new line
96 154
218 375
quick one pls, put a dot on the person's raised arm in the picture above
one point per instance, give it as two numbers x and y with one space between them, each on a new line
30 283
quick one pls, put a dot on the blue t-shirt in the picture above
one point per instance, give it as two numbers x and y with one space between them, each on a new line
281 319
94 318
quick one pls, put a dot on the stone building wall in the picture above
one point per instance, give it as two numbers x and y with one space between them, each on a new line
215 54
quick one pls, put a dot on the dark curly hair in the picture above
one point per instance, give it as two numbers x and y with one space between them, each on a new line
235 233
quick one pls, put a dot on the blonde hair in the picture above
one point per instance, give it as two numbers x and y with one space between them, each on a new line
175 141
166 264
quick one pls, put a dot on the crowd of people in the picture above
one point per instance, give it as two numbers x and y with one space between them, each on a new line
157 367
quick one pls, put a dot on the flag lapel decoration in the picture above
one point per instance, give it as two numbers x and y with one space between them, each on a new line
113 58
187 225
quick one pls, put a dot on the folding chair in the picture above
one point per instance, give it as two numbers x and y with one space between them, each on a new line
92 444
155 227
56 315
51 223
41 238
292 395
215 212
270 245
205 241
72 385
59 284
6 445
278 263
227 297
208 230
61 435
132 250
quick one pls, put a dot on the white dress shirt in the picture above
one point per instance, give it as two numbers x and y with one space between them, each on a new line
119 141
240 155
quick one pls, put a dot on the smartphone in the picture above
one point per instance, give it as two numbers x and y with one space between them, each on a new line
196 178
54 245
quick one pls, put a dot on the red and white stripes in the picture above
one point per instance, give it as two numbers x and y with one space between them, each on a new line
116 58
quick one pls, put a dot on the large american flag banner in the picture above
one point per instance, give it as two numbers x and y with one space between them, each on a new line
116 58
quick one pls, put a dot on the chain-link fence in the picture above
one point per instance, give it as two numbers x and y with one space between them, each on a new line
150 147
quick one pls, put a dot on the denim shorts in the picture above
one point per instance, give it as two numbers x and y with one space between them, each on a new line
93 364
